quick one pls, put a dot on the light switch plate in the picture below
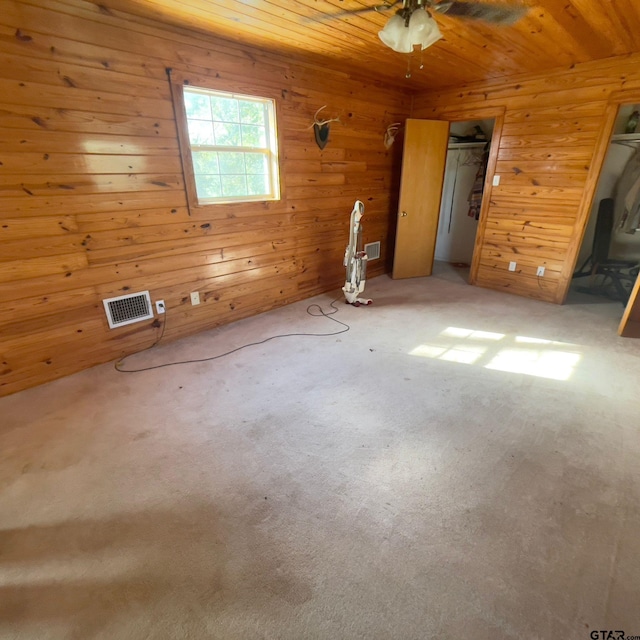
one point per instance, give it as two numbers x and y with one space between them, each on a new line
195 298
496 180
512 266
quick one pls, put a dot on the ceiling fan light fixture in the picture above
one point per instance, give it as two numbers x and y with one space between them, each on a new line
423 29
395 35
402 34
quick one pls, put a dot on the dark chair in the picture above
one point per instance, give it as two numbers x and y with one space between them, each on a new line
618 275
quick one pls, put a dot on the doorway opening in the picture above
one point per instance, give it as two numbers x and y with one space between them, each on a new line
609 257
421 185
462 193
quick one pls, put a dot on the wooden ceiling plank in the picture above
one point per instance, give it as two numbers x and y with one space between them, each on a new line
566 23
628 14
472 42
603 18
533 41
309 15
289 15
514 44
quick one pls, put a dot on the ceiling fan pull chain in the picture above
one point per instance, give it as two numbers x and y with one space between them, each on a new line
421 59
408 74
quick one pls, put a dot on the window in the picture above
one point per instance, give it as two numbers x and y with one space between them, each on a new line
233 146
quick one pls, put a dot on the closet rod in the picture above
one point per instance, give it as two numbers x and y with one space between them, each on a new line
625 138
466 145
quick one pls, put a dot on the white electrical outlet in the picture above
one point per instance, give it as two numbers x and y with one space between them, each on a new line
540 271
512 266
195 298
496 180
160 308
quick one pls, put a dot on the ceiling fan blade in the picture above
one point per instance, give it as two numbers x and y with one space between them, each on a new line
495 13
378 8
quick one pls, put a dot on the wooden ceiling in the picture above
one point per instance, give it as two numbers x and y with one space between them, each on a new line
555 33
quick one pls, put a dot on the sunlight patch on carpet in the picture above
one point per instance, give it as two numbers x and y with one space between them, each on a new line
513 354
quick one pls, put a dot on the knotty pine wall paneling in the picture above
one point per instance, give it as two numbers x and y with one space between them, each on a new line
556 130
92 198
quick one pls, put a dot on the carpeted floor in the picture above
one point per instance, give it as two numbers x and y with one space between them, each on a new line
461 464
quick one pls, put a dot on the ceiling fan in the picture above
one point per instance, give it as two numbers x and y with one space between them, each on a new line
412 24
500 13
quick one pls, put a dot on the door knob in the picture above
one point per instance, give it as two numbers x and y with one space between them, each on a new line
404 214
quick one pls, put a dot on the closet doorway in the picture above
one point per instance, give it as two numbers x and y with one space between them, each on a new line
421 188
462 193
609 257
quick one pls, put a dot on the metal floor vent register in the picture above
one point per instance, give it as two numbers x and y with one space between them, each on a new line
133 307
372 250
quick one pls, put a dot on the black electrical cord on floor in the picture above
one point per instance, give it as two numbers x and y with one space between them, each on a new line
117 363
322 312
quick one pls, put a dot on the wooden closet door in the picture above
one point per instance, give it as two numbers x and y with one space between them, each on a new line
423 164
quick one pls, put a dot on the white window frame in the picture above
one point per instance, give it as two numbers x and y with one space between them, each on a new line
270 150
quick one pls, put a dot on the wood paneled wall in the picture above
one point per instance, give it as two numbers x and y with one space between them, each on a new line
92 199
556 130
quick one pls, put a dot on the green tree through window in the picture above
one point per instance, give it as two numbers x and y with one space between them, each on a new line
233 146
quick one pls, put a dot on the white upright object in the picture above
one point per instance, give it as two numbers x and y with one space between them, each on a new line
355 260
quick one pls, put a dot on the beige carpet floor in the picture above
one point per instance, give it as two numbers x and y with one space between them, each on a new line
461 464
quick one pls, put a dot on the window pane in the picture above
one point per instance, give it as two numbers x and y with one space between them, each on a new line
234 185
251 112
256 163
227 135
257 185
225 109
231 163
208 186
197 106
231 141
200 132
205 162
253 136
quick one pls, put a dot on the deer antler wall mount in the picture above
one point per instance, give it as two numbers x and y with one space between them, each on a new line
391 133
321 128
